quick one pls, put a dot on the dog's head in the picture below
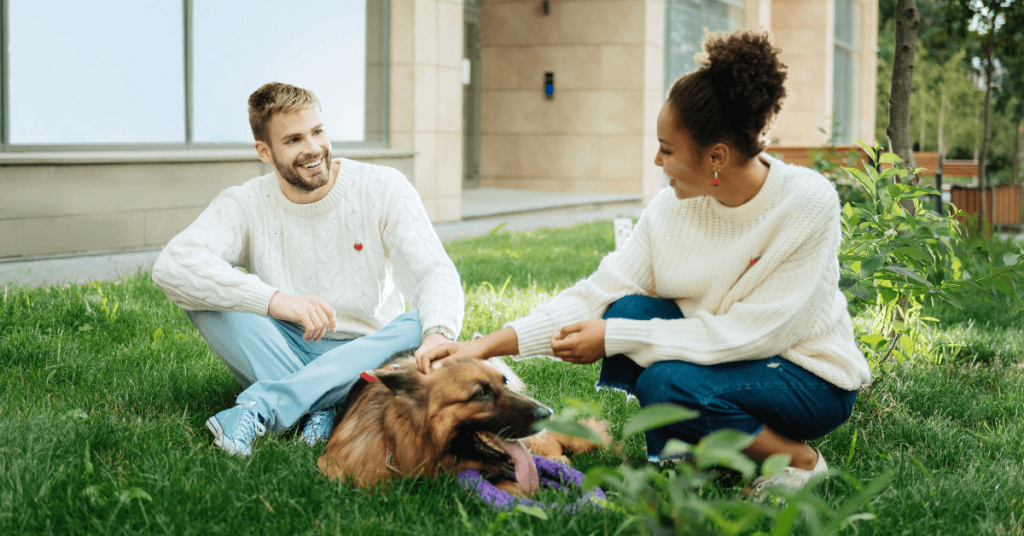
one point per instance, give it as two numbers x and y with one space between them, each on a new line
471 411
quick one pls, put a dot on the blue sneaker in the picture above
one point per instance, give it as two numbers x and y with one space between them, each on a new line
318 427
236 428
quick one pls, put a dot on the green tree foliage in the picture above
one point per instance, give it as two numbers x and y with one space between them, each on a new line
950 64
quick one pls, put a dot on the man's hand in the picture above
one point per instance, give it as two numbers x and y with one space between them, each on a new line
430 342
581 343
313 313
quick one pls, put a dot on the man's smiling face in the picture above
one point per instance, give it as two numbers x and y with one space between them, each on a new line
299 148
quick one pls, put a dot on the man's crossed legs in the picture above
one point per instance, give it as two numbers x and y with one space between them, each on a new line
286 377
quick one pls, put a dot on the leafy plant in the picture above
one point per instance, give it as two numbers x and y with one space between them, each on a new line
897 256
670 499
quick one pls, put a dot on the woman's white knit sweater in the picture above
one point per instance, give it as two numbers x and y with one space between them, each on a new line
361 248
753 281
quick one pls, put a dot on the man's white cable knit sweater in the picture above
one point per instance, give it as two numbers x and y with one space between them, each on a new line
701 254
362 247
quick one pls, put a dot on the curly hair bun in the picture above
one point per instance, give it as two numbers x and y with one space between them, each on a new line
745 69
736 92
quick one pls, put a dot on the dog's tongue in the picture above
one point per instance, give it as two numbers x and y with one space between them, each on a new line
526 470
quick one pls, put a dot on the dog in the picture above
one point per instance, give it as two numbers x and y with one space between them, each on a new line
399 422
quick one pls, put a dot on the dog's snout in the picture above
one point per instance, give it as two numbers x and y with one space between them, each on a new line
542 412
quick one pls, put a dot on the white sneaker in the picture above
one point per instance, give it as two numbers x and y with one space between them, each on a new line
789 477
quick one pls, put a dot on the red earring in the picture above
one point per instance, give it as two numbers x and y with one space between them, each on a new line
715 182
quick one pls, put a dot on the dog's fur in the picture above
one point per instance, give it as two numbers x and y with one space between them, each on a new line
554 446
407 423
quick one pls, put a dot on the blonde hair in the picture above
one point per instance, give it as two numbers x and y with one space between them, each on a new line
273 98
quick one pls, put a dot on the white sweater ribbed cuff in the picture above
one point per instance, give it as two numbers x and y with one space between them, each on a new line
533 333
257 298
621 337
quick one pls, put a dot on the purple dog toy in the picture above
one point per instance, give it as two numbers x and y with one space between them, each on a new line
552 474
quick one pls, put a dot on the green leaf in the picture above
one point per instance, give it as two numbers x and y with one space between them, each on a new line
88 461
853 444
570 428
908 273
534 511
916 253
674 447
775 464
890 158
784 522
723 448
158 334
656 416
867 149
134 493
873 340
1010 258
870 266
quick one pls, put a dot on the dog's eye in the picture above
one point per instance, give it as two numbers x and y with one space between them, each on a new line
481 394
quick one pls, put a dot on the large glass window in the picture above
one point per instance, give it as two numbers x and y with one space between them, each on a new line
178 73
96 72
844 71
241 44
686 21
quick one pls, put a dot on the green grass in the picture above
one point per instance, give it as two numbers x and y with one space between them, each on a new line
102 412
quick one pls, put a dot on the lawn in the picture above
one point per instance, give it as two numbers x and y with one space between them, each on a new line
106 388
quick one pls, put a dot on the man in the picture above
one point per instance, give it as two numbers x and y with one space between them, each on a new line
328 249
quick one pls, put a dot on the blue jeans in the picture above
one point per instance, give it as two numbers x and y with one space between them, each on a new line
741 395
288 377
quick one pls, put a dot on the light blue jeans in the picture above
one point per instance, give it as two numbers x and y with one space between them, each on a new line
288 377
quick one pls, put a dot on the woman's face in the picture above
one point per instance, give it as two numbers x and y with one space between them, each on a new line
688 168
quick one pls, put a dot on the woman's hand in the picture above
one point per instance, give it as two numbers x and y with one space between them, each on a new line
444 353
501 342
581 343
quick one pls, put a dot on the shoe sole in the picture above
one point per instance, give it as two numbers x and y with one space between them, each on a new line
220 439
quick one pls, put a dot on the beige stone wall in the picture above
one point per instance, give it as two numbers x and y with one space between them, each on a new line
805 31
55 203
597 133
426 98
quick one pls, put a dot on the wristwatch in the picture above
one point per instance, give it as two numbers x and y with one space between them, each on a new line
437 329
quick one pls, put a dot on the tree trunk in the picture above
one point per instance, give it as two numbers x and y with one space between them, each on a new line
908 20
924 115
982 171
1015 161
942 116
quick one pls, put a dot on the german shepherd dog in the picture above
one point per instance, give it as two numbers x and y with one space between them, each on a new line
399 422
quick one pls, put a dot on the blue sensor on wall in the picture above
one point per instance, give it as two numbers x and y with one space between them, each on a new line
549 85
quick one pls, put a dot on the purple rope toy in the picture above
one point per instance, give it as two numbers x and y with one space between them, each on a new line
552 474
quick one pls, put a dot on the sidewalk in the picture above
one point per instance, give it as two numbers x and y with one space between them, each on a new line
483 210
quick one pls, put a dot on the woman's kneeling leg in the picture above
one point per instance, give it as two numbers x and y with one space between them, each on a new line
745 396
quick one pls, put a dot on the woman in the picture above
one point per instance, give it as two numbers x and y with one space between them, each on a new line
749 326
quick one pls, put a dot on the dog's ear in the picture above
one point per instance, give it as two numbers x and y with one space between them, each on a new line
405 381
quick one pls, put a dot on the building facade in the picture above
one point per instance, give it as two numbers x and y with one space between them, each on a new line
117 136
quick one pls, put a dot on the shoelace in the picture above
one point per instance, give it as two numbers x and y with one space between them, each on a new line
249 423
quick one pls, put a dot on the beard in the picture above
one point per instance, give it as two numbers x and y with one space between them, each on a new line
293 177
